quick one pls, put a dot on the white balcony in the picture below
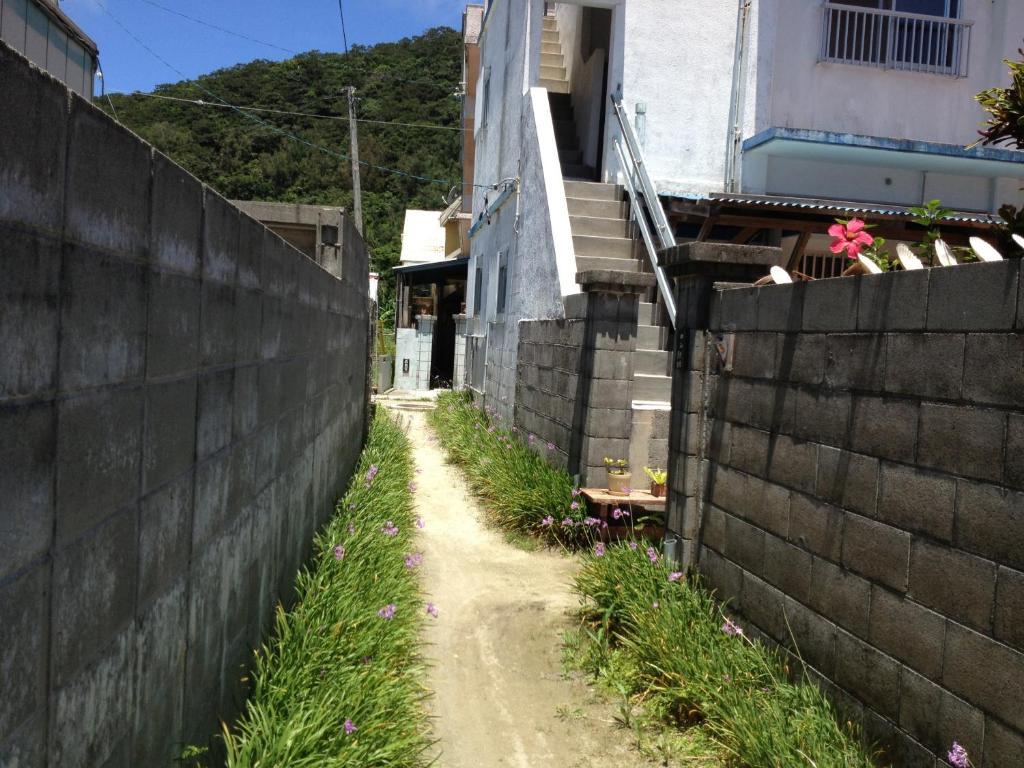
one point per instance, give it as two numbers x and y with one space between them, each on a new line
888 39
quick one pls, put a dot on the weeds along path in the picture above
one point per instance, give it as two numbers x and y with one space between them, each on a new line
499 695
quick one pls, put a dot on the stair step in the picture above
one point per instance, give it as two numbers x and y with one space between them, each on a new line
599 226
578 172
549 36
569 156
566 140
592 190
654 337
583 263
650 313
550 22
652 388
653 362
552 59
552 73
611 209
554 86
551 48
611 247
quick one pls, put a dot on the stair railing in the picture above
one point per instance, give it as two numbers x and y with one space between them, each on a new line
645 207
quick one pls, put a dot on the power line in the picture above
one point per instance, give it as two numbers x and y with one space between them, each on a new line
344 36
271 126
218 28
342 118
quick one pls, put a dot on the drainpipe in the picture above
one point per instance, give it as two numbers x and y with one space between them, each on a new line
738 98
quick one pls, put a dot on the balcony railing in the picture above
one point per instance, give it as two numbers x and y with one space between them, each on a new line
895 40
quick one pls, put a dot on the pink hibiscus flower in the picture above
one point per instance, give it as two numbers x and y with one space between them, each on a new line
850 237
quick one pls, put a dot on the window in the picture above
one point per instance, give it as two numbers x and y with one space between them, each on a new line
916 35
486 101
502 284
478 291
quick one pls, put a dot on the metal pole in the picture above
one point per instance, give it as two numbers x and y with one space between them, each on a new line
357 193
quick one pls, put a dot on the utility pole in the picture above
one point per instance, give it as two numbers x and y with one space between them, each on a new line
357 192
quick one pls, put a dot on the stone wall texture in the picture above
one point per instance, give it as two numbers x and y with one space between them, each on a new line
182 397
851 478
574 383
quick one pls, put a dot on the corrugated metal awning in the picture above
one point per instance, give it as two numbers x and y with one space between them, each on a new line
841 207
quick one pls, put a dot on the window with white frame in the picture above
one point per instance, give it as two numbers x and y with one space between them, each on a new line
502 296
916 35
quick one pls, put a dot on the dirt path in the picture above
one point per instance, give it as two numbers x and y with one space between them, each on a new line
495 646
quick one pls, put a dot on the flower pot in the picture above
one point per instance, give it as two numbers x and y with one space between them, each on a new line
619 483
658 490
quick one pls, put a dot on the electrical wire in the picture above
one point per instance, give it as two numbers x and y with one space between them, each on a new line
276 129
344 36
342 118
218 28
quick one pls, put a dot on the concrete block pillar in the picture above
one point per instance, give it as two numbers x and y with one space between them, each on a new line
461 329
425 349
696 268
601 422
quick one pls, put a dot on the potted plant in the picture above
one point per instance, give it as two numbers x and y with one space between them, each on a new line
658 479
619 476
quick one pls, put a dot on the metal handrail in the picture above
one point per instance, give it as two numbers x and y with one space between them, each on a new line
644 202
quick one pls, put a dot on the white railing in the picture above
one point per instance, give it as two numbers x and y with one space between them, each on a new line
895 40
645 207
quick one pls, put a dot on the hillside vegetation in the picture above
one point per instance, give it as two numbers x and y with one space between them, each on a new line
413 80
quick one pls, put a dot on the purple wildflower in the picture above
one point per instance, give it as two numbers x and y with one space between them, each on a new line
412 487
675 575
432 609
389 529
655 605
350 727
652 554
632 545
339 552
958 756
547 521
371 473
551 446
732 628
591 521
575 491
616 513
419 522
531 439
387 612
490 430
599 550
414 560
567 521
574 505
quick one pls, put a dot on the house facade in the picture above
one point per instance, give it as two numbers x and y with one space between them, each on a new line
41 32
758 121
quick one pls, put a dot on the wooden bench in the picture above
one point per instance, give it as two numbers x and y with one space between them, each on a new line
636 503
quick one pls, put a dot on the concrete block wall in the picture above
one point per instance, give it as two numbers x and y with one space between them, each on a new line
574 383
864 491
414 349
180 395
461 328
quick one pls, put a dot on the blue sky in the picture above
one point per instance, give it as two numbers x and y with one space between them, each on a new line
295 25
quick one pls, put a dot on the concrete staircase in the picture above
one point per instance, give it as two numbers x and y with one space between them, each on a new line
603 238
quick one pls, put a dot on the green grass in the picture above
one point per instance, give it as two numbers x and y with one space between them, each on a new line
517 487
333 658
663 643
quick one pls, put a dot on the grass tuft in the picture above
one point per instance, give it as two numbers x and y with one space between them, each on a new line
517 487
665 643
332 658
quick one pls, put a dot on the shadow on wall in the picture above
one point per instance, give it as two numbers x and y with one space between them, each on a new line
183 394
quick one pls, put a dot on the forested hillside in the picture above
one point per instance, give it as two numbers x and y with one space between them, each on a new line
414 80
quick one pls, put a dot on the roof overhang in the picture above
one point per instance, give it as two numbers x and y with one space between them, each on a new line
72 29
434 271
893 153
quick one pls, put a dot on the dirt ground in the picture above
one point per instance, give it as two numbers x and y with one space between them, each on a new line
499 695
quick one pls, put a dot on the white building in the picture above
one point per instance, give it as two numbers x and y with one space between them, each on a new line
758 120
422 238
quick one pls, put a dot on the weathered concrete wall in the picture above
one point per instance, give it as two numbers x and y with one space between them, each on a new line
574 382
182 397
864 489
